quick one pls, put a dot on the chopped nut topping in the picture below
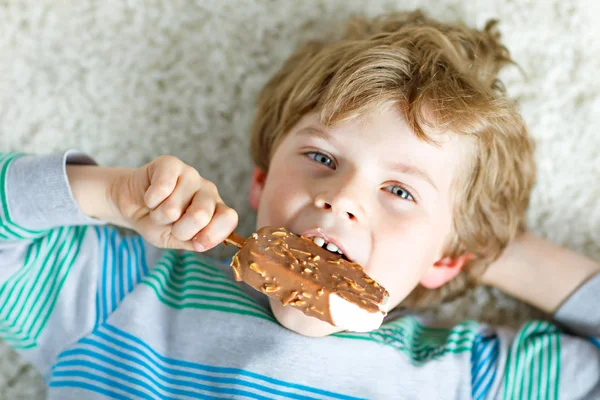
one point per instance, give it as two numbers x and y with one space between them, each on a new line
307 295
254 235
355 286
304 253
268 288
235 266
289 297
280 234
314 309
254 267
298 303
308 270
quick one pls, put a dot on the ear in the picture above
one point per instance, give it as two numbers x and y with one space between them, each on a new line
257 185
444 270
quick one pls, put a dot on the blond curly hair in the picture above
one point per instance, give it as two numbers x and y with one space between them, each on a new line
444 77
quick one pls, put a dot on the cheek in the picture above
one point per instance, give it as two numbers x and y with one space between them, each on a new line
404 250
281 197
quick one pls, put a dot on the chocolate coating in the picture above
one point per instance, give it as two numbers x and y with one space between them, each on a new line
295 271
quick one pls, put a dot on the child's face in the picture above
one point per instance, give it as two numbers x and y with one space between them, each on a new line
374 188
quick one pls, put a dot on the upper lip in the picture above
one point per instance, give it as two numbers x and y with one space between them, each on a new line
330 238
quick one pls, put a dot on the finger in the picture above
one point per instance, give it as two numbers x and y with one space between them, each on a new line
196 217
164 173
223 222
174 206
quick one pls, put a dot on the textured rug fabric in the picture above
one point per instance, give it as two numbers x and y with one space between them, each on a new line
128 81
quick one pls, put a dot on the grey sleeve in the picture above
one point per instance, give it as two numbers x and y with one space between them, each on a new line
580 313
38 193
580 350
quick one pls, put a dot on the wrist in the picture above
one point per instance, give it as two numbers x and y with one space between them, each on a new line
92 187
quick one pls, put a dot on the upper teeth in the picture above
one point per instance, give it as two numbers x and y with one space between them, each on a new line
332 247
319 241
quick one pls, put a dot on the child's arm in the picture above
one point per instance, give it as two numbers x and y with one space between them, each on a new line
541 360
49 256
61 271
540 273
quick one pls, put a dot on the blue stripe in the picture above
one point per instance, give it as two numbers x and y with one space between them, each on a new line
595 342
145 269
100 300
160 370
143 348
133 262
483 353
113 273
91 387
122 273
77 364
121 262
489 373
102 284
98 378
483 365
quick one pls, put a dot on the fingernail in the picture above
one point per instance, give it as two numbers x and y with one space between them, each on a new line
197 246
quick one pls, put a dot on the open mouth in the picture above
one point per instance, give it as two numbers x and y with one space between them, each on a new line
331 247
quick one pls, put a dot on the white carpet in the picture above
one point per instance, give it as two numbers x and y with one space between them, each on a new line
127 81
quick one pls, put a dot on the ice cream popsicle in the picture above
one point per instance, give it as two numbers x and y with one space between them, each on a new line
297 272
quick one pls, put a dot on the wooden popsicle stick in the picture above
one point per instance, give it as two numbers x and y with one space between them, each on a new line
235 239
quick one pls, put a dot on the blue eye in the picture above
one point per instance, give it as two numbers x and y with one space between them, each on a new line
321 159
400 192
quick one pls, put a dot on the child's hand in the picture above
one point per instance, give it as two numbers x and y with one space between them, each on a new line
172 206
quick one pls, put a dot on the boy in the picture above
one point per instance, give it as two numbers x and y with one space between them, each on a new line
397 145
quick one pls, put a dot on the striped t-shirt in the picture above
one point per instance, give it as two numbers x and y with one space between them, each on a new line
109 316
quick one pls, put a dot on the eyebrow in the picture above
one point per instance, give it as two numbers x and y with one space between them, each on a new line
412 170
311 131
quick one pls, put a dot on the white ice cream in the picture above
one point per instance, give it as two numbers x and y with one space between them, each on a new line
351 317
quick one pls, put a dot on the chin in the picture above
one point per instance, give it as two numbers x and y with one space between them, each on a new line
300 323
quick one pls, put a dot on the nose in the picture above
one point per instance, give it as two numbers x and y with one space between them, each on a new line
342 197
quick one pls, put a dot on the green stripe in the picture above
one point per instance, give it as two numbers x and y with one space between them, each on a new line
31 282
20 282
556 374
178 286
47 276
191 268
173 277
50 301
533 362
9 225
206 306
61 266
180 296
420 343
21 272
189 258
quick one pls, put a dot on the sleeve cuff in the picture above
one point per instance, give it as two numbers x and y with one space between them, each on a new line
579 312
38 192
